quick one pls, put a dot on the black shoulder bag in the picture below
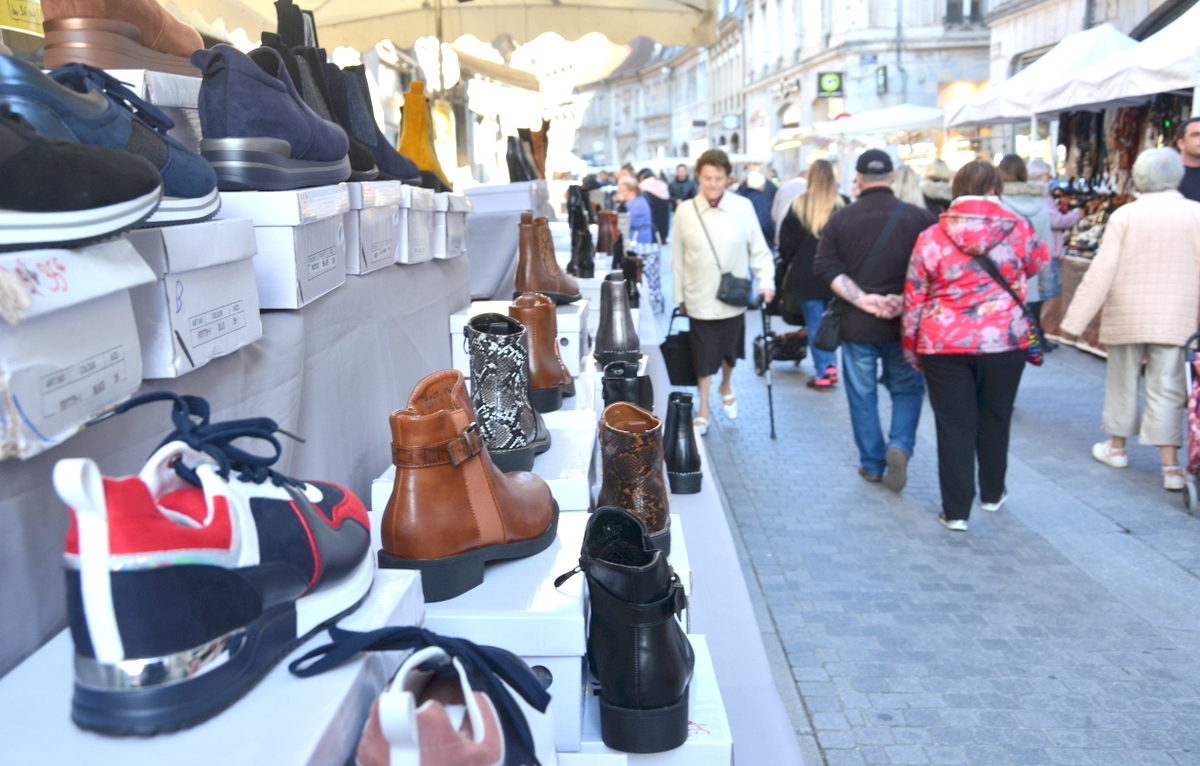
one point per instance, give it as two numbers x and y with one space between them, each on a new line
1034 353
829 332
733 290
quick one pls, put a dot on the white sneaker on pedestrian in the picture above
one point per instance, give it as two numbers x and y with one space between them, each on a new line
996 505
1106 453
701 425
954 525
1173 478
729 405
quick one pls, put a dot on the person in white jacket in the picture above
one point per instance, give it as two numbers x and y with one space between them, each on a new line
717 232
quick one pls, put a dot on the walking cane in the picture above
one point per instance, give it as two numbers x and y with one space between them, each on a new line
768 341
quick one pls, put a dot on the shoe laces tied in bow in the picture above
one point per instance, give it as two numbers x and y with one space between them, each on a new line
117 92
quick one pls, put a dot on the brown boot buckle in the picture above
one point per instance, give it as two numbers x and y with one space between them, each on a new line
454 451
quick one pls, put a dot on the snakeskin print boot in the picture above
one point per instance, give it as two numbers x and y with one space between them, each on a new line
631 449
512 430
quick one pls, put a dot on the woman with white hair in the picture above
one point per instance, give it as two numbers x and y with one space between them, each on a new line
1146 276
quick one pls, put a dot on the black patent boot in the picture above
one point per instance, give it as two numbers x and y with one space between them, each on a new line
616 337
583 253
621 383
618 254
636 647
632 269
680 452
512 430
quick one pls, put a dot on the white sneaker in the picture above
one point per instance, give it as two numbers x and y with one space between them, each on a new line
729 406
954 525
701 426
1173 478
996 505
1110 455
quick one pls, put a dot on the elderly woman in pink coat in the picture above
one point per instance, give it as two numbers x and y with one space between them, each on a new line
1145 281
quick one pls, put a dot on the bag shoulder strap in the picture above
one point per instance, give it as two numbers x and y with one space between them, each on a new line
993 272
710 242
884 235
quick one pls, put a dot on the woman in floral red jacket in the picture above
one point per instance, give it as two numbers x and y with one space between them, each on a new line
968 335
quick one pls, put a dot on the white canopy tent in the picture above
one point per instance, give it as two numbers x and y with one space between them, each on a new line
891 119
1168 60
1010 101
361 25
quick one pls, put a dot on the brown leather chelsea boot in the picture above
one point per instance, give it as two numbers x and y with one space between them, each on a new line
549 380
118 34
537 270
451 510
631 449
606 221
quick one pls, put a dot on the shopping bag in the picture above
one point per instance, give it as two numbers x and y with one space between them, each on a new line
677 354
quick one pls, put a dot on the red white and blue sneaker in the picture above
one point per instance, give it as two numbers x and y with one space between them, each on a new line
188 582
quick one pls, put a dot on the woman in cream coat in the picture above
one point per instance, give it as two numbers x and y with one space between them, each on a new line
716 232
1146 276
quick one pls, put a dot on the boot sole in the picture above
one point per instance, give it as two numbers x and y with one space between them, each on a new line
520 459
23 231
107 44
560 299
446 578
604 358
546 399
263 643
685 483
568 389
656 730
265 164
174 210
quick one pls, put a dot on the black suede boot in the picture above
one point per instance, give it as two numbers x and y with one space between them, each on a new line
680 452
636 647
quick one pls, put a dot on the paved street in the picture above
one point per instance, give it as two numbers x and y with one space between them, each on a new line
1064 629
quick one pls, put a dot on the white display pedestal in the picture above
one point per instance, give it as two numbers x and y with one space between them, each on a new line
568 466
518 608
709 742
283 720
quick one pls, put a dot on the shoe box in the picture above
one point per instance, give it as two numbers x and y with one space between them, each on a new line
204 303
69 349
450 224
417 209
572 340
512 198
301 237
284 719
373 234
709 741
178 96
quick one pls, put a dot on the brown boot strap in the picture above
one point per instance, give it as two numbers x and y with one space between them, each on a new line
454 451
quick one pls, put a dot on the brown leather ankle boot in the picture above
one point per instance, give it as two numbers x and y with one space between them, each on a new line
451 510
606 221
537 271
549 380
631 450
118 34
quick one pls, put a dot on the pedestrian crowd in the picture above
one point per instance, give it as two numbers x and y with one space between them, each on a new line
935 283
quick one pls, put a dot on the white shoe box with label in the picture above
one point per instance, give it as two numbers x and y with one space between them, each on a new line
709 741
176 95
204 304
416 225
373 226
69 349
284 719
450 215
572 317
517 197
301 239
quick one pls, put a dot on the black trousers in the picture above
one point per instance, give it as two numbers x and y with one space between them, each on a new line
972 398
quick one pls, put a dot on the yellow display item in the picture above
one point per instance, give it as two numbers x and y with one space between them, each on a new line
416 132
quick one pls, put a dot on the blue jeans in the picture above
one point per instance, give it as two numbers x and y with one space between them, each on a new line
860 374
813 310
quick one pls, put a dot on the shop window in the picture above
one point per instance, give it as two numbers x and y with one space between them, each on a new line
964 12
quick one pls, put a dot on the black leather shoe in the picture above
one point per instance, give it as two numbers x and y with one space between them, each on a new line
636 647
616 338
621 383
680 452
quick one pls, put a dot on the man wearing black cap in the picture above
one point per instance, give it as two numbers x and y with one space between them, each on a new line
863 253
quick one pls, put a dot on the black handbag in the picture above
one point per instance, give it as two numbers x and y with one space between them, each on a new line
677 354
733 290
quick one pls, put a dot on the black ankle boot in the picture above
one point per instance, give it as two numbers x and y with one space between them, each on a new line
621 383
616 337
636 647
515 157
680 453
618 255
631 269
583 254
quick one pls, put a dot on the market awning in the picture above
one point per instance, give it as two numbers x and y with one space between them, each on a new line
361 24
1011 101
891 119
1168 60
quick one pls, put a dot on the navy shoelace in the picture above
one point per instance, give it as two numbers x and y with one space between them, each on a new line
485 666
216 439
117 91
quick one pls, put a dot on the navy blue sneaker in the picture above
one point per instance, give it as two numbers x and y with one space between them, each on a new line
85 105
258 132
188 582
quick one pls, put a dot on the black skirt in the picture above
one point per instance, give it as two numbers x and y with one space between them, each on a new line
716 340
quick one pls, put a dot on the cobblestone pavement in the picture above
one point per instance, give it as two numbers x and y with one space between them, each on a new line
1063 629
